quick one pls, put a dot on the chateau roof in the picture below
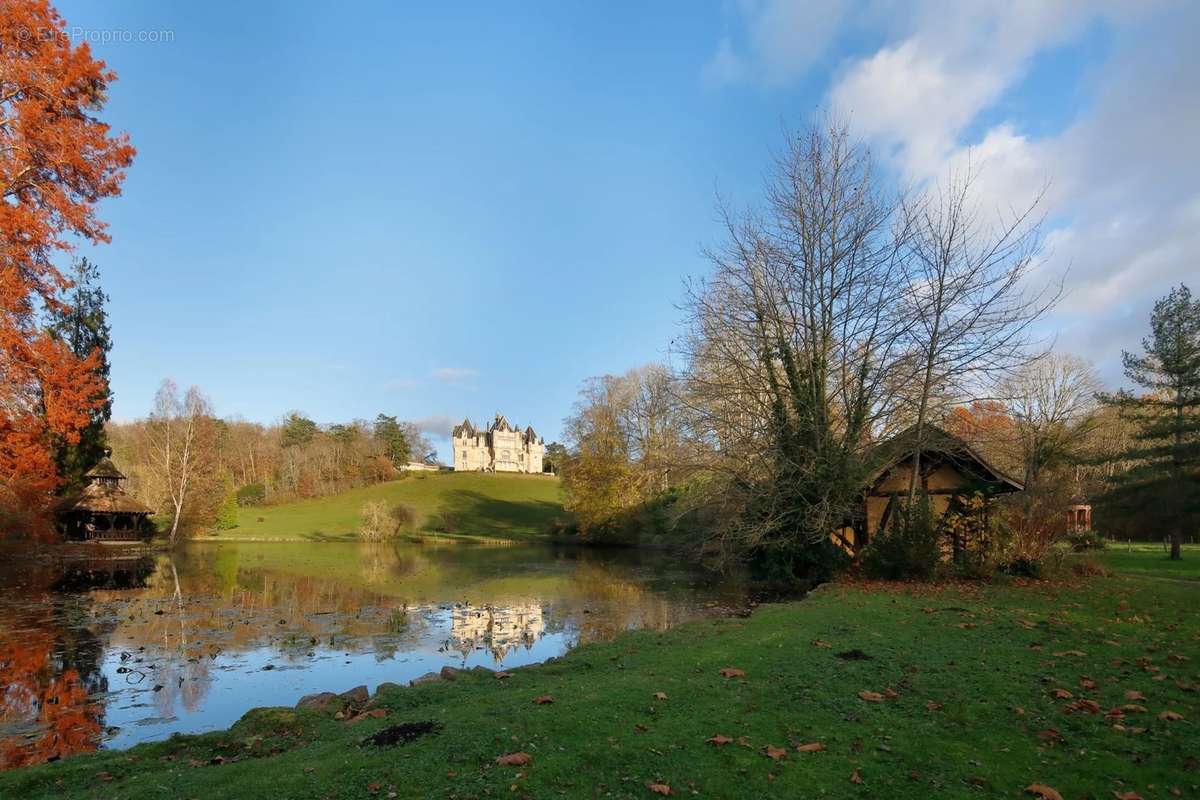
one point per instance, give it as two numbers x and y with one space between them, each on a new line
466 429
500 423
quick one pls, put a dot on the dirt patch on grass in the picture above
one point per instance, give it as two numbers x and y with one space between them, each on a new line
403 733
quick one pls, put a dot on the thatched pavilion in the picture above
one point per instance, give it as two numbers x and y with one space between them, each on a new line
102 512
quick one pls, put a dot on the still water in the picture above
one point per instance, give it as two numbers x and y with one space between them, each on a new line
104 651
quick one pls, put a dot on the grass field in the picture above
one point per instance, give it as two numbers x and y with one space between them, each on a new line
501 506
900 692
1140 558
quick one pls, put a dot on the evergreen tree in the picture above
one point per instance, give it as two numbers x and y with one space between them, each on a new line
1162 488
297 430
390 434
82 324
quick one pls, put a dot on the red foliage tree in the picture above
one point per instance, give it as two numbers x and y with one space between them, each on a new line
57 161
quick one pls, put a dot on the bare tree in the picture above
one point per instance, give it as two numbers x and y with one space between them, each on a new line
173 432
1053 401
792 343
967 299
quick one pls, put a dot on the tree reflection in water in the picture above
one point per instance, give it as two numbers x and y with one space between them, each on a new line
141 645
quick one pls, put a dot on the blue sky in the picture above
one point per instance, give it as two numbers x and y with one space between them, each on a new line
445 212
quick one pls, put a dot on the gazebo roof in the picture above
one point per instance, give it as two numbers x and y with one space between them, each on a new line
100 499
104 469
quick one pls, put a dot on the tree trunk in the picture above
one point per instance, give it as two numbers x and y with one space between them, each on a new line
1177 543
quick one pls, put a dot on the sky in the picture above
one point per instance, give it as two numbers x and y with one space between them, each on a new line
447 212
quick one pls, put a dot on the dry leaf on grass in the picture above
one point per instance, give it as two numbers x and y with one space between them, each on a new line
502 676
1043 791
660 695
659 788
870 697
856 777
543 699
718 740
811 747
519 759
732 672
819 643
775 753
1063 694
1127 796
1063 654
932 706
1170 716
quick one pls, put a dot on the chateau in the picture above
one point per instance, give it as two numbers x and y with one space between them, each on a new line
501 448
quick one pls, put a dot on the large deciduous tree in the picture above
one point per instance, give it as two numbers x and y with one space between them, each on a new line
1162 485
789 360
57 161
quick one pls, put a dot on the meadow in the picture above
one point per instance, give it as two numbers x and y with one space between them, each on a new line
452 504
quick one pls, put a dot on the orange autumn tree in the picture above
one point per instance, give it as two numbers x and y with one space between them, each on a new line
57 161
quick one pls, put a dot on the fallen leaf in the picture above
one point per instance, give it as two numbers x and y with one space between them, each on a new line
1132 695
1127 796
932 706
519 759
1062 654
659 788
543 699
1170 716
718 740
1063 694
1086 683
1043 791
819 643
660 695
855 777
1134 708
890 693
732 672
871 697
1050 735
502 676
775 753
811 747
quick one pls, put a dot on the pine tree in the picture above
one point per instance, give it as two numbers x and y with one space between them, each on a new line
1163 486
82 325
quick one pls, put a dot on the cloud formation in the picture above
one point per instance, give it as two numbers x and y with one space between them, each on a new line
457 375
1123 197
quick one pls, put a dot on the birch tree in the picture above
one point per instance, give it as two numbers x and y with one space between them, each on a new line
173 431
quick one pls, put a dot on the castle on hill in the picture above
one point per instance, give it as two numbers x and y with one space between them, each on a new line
500 448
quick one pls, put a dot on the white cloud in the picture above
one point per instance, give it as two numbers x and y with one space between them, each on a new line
436 425
782 41
455 374
1121 181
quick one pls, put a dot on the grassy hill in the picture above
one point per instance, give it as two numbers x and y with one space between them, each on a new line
474 504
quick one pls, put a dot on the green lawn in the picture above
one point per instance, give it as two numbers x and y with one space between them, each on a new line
502 506
1140 558
968 702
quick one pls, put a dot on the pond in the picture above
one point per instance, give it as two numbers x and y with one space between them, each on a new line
100 649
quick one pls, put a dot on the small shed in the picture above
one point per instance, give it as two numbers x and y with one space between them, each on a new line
102 512
949 466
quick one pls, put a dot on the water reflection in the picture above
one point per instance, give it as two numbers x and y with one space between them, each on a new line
100 651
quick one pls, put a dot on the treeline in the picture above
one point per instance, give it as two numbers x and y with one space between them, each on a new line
838 313
196 469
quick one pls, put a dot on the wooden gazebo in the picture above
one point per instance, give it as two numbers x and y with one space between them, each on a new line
102 512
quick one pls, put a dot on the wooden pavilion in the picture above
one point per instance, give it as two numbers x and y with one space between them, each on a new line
102 512
949 468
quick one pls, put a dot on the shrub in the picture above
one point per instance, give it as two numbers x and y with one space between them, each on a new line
1081 541
909 547
376 523
252 494
404 516
1089 568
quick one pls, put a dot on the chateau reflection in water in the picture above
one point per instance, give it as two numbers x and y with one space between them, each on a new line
108 652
